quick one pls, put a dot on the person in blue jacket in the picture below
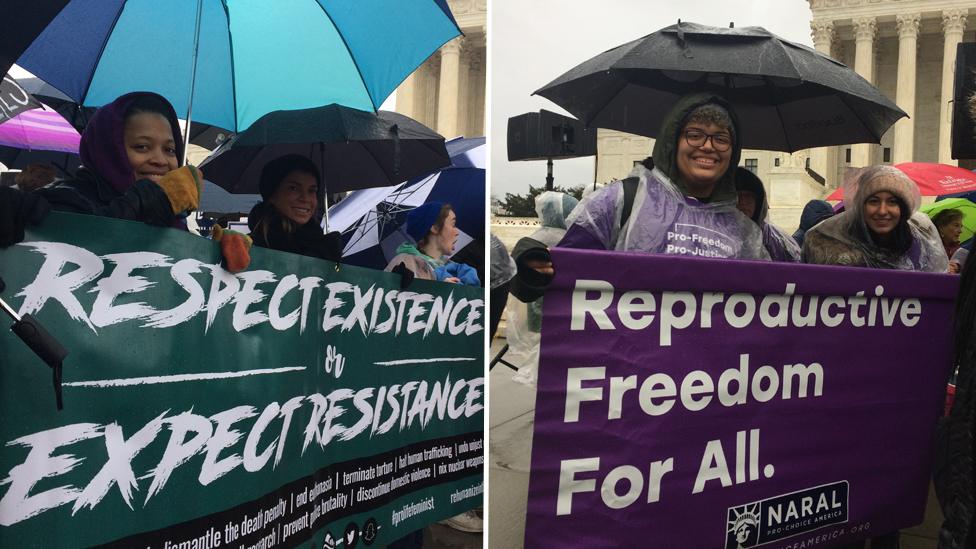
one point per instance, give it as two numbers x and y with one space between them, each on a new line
433 226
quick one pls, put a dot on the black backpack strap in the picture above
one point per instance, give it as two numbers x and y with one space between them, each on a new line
630 192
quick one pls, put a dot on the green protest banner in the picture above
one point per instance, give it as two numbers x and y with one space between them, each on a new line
294 403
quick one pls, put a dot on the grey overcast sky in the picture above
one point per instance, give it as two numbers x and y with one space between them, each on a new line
533 42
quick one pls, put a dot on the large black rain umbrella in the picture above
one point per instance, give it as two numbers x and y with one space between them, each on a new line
353 149
787 96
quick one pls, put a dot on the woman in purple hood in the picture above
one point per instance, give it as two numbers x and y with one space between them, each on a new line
131 152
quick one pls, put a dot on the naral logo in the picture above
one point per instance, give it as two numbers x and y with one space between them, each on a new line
783 516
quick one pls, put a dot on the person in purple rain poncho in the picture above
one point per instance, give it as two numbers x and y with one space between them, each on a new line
752 203
685 204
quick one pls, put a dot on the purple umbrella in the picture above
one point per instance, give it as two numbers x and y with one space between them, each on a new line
40 130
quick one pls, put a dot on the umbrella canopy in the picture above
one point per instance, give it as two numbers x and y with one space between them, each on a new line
40 129
23 20
372 219
252 58
18 159
353 149
215 199
932 179
788 96
203 135
14 99
967 208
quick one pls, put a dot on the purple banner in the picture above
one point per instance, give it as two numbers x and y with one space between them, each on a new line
687 402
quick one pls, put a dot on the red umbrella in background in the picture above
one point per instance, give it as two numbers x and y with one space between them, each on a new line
932 179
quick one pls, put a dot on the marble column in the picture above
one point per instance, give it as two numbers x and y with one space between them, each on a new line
823 160
464 96
431 85
405 95
905 91
447 97
865 30
476 86
953 24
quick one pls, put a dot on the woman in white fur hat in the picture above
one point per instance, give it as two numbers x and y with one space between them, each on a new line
880 227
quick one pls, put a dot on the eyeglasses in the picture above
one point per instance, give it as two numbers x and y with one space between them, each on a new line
721 142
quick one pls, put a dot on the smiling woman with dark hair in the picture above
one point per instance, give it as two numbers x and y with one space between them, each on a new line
287 219
879 228
131 151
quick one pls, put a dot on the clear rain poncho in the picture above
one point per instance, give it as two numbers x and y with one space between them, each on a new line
502 264
524 320
846 240
663 218
781 246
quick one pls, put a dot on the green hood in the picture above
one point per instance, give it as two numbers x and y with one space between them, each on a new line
411 249
666 144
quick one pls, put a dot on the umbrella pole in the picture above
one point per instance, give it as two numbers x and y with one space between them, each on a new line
325 191
193 78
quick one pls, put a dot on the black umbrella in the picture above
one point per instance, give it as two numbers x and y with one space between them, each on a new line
14 99
353 149
22 21
788 97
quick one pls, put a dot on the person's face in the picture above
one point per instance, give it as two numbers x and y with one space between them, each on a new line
882 213
701 167
295 197
150 146
446 236
747 203
951 232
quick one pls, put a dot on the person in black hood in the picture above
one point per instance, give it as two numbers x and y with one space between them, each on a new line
752 203
287 220
814 212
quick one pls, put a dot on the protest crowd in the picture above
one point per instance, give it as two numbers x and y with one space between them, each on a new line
692 181
131 165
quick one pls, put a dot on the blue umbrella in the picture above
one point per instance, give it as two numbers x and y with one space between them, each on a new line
228 62
371 220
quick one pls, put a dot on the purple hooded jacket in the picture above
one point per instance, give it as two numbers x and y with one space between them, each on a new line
106 185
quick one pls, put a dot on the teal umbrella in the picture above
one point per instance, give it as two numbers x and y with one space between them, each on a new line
967 208
229 62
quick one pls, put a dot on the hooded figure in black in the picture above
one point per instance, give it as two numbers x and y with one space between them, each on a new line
287 219
752 203
814 212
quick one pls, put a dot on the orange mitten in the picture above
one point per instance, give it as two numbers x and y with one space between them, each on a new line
235 247
183 186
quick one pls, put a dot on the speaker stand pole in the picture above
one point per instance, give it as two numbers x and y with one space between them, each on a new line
549 178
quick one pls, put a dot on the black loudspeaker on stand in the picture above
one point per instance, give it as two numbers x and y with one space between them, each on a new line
548 136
